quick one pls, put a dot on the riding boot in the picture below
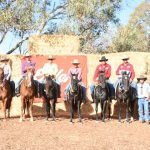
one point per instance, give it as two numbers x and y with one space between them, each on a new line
58 91
17 91
92 95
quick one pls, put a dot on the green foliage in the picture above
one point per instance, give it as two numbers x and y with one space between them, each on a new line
134 36
89 19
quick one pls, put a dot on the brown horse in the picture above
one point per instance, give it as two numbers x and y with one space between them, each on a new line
27 92
5 93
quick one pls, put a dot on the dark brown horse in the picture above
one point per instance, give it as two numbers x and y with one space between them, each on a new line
50 94
5 93
124 94
27 92
75 97
101 93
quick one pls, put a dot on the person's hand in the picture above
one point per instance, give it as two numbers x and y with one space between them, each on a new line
96 83
131 80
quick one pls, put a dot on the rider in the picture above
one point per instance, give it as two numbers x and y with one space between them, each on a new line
126 66
50 68
7 69
26 65
75 69
103 66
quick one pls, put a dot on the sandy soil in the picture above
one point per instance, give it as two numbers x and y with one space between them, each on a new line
62 135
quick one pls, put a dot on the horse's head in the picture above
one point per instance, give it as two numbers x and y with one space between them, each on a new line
1 74
48 86
125 81
102 78
29 77
74 82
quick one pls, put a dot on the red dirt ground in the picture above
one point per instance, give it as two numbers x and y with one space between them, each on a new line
62 135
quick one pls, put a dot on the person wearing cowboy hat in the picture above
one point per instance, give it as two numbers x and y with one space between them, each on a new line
143 94
103 66
129 69
6 67
51 68
28 63
75 69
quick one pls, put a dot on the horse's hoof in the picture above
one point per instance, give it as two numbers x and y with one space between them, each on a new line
96 121
53 119
71 122
31 119
132 119
120 121
20 120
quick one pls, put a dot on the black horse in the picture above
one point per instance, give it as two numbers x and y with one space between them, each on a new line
50 93
75 97
101 93
125 93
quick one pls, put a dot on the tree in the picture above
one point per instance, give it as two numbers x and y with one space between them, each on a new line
25 17
87 18
90 20
135 35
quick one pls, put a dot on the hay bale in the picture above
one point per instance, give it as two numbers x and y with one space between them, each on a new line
54 44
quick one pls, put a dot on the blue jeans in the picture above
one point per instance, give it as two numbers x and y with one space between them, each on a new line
83 90
143 109
110 86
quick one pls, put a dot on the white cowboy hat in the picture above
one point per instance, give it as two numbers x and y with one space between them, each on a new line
27 55
50 57
125 57
142 77
75 61
4 59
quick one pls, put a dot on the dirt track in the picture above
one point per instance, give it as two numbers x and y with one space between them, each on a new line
42 135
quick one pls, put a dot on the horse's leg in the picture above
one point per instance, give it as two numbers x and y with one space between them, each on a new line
31 109
27 108
127 110
47 108
53 109
96 109
119 110
71 110
109 107
79 111
22 109
4 108
8 105
132 104
103 107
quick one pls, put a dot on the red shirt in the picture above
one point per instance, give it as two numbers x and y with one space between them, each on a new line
126 67
102 67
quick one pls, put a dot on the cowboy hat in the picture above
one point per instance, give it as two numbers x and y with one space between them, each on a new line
103 58
125 57
4 59
142 77
75 61
27 55
50 57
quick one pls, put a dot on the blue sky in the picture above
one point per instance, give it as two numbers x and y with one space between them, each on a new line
127 9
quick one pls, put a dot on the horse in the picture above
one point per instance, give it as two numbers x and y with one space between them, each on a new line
101 95
124 94
50 93
5 93
27 93
75 97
